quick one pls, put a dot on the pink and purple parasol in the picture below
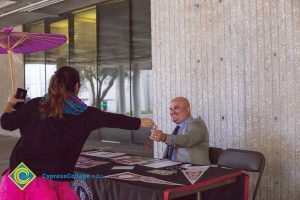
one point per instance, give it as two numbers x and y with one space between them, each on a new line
12 43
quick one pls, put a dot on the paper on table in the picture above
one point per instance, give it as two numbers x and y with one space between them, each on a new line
90 151
84 162
95 152
162 163
201 168
123 167
133 160
105 154
111 155
128 176
193 173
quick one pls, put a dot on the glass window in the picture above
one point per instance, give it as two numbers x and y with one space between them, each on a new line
113 84
84 55
141 58
141 66
114 66
110 45
125 64
59 56
35 66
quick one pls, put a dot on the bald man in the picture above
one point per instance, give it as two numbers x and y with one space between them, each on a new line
189 140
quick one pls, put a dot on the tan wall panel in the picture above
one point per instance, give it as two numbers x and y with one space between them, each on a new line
238 62
5 83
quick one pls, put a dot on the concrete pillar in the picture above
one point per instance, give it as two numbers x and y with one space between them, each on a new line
121 90
136 90
5 82
60 62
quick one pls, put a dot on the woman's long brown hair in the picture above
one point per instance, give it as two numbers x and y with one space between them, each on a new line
63 81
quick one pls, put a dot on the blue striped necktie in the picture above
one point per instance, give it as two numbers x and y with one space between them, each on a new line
171 146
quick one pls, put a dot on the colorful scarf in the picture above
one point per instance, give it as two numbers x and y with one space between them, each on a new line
73 105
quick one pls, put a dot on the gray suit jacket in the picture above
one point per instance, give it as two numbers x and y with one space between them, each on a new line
192 143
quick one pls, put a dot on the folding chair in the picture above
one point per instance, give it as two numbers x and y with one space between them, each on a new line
214 154
251 161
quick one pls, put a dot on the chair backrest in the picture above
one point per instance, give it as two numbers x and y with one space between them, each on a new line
251 161
214 154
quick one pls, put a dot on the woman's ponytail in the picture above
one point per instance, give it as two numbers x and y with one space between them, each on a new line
62 82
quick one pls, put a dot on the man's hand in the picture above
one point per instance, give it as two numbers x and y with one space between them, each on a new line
157 135
146 122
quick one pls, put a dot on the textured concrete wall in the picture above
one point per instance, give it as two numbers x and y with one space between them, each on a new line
238 62
5 82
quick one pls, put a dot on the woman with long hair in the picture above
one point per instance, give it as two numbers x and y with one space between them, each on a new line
53 131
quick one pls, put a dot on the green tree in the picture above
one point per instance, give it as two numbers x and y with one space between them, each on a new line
105 80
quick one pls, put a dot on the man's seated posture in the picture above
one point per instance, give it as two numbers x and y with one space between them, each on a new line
189 141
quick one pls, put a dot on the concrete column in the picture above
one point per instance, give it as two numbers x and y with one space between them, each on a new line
121 90
60 62
5 82
136 90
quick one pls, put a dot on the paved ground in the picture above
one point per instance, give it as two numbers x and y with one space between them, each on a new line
7 143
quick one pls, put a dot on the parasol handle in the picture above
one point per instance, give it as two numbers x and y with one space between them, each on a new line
9 51
12 78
